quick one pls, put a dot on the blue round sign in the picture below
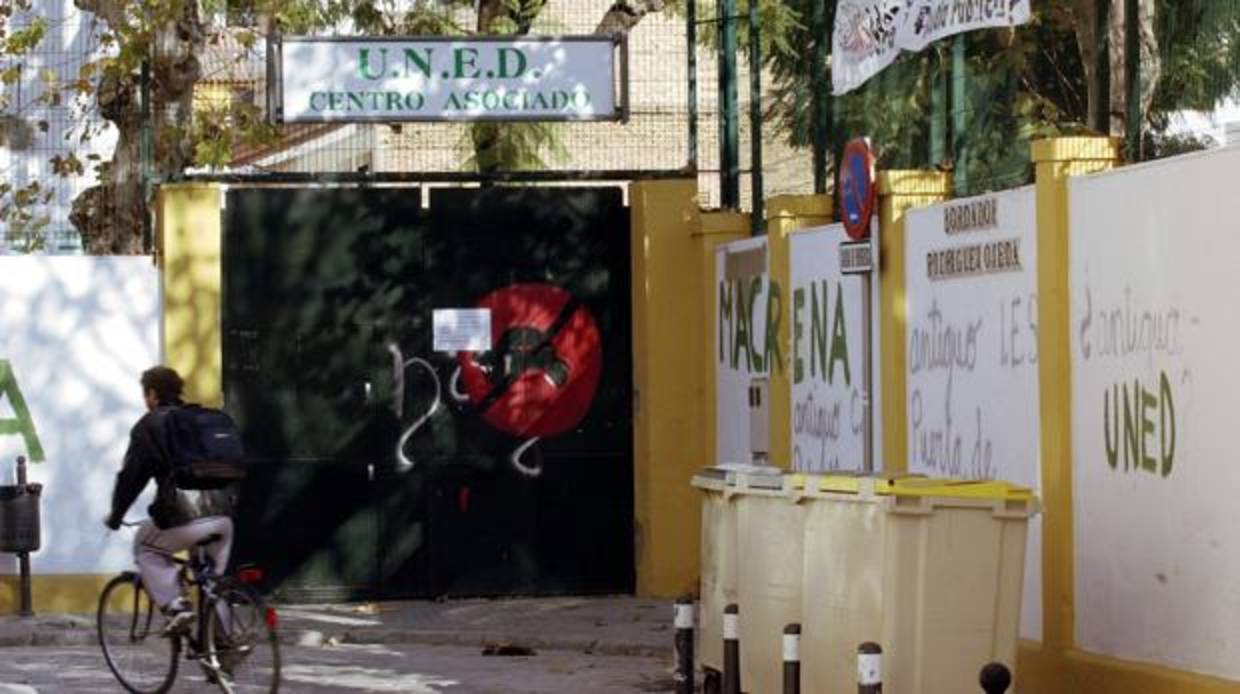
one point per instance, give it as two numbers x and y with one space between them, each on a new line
856 188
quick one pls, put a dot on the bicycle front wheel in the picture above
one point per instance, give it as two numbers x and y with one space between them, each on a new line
129 633
241 639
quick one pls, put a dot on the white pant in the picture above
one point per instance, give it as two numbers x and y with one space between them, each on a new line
153 549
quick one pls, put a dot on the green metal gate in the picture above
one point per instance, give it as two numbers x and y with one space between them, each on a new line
383 468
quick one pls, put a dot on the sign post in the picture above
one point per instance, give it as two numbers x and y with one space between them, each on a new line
857 199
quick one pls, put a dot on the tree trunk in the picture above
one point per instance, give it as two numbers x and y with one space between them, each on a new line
111 216
625 14
1086 23
1085 12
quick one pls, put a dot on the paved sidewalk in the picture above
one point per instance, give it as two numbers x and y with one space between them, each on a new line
623 626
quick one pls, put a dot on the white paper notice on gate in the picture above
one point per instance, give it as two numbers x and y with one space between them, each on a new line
461 329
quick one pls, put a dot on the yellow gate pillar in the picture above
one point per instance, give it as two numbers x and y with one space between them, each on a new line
669 348
187 240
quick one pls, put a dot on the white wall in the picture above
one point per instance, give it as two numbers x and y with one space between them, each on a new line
740 342
828 405
972 351
1155 328
78 332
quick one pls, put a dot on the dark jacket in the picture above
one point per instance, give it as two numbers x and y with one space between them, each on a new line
147 458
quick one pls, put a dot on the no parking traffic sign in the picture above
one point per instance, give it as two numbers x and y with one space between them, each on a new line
856 187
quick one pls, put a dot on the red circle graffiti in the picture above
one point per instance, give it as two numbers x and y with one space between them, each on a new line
545 362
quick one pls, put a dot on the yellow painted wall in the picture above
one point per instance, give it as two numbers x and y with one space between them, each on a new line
188 253
669 348
785 215
899 192
54 593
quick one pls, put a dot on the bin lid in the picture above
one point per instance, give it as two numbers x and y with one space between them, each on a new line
922 486
710 478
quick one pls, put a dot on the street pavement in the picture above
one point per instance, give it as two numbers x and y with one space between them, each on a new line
598 645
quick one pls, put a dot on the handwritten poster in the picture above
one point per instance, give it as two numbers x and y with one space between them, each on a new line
746 346
971 274
826 364
1154 331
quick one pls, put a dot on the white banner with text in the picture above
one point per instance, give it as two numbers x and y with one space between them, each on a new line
450 78
869 34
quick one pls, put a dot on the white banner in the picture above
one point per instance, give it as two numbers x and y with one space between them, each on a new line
971 278
332 79
930 20
828 384
1152 262
869 34
863 41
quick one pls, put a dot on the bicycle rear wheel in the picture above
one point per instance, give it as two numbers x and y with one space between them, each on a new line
129 633
241 638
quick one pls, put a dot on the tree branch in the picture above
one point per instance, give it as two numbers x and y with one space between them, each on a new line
626 14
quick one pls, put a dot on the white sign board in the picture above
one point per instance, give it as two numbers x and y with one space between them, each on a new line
76 333
826 364
1154 331
461 329
869 34
971 288
746 344
450 78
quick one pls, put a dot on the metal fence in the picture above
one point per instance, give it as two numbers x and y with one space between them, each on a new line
970 104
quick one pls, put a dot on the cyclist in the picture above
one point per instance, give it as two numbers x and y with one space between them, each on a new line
175 524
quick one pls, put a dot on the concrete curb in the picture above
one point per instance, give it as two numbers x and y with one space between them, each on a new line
481 639
326 639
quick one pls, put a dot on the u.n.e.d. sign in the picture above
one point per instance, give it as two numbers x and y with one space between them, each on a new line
457 78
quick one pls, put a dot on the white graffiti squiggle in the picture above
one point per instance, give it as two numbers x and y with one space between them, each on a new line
405 463
515 459
454 387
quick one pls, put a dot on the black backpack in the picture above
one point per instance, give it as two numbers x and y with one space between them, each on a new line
204 447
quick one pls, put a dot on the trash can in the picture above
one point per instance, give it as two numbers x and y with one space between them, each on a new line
19 517
770 540
718 563
932 570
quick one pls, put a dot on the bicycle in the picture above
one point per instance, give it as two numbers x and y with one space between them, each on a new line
234 638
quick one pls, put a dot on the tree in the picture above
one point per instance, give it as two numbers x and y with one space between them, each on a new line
168 36
1033 80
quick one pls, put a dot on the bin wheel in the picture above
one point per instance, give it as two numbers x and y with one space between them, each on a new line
712 681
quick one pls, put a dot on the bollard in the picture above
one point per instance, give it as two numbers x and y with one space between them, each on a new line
869 668
23 558
792 659
683 677
731 650
995 678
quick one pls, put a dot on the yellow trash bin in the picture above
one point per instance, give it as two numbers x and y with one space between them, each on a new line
931 570
770 541
718 563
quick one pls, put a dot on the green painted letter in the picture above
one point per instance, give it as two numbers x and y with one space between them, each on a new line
21 423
